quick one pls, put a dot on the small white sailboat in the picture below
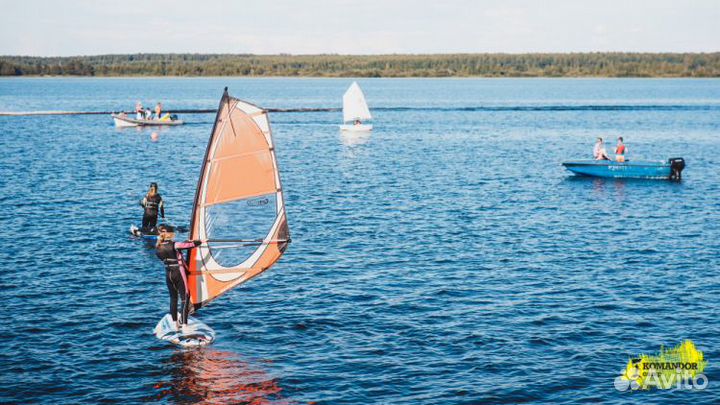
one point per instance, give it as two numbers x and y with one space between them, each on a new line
355 110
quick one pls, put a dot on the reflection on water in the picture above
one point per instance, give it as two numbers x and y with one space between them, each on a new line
209 376
620 190
351 138
599 186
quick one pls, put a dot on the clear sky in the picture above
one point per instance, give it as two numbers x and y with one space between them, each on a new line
75 27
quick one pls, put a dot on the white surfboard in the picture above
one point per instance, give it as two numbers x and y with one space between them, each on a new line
194 334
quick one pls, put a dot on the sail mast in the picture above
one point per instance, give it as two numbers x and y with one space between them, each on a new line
223 99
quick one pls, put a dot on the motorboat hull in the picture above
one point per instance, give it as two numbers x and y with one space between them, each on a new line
661 170
124 122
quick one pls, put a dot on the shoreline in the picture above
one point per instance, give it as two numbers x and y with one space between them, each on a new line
572 65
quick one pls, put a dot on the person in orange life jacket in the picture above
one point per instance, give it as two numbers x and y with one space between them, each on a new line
176 271
154 205
620 150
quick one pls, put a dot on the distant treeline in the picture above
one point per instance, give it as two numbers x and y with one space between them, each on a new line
450 65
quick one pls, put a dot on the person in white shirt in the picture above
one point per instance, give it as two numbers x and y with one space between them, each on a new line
599 152
139 111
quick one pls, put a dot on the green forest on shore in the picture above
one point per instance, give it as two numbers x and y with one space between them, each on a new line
441 65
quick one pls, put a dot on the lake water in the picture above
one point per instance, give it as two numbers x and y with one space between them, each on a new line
448 258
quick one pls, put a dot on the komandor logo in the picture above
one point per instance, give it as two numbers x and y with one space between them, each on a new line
678 368
257 202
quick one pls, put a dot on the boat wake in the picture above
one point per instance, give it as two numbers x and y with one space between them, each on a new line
588 107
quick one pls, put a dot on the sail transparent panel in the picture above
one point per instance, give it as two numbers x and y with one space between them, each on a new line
247 219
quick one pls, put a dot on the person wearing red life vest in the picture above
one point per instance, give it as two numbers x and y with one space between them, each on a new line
620 150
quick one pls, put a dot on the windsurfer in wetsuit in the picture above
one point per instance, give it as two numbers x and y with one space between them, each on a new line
153 204
175 271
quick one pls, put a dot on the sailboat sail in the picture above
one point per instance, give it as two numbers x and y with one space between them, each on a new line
239 205
354 105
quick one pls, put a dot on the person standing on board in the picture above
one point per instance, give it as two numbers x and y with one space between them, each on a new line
158 110
620 150
139 111
170 253
599 152
153 205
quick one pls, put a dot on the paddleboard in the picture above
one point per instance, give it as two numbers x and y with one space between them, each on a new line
152 237
194 334
135 231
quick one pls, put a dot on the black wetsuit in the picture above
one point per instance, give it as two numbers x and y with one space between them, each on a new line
153 205
174 268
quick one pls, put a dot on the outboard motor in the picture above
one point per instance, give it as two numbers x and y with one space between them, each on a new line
676 167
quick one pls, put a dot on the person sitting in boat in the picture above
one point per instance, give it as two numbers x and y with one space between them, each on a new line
158 110
620 150
153 205
176 271
599 152
139 111
358 122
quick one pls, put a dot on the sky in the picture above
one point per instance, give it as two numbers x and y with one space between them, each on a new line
85 27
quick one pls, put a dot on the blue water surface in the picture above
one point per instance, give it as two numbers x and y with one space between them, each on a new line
448 258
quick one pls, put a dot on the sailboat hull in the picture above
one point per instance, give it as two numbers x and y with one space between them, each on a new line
356 128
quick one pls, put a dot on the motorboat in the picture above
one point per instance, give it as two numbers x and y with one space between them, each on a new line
670 169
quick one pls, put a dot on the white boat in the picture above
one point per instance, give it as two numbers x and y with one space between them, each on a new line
355 110
122 121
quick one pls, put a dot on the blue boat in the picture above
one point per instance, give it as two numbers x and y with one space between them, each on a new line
665 170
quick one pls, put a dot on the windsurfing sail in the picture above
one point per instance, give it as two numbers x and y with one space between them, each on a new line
239 205
354 105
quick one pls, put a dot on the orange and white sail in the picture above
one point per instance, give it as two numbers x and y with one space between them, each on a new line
239 205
